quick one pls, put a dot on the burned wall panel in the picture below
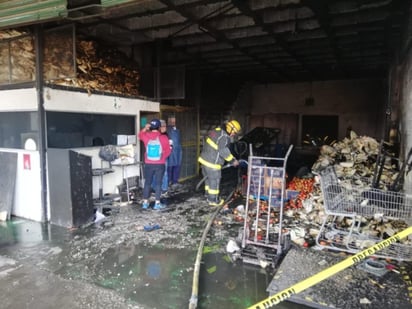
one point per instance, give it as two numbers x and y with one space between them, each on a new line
287 123
358 103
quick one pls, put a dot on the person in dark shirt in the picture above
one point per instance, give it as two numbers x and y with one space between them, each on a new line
174 161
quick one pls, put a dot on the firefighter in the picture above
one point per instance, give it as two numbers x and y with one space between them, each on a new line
214 154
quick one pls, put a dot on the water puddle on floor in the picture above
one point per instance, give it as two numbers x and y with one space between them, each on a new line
151 276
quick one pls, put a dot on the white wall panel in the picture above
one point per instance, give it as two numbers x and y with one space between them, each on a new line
27 195
18 100
80 102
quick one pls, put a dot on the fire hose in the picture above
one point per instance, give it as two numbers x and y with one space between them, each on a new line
195 284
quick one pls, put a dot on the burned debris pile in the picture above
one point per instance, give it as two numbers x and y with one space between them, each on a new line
68 61
364 173
103 70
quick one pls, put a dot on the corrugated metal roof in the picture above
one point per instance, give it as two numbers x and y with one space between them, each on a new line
261 40
21 12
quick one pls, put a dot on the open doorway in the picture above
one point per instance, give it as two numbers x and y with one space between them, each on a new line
319 130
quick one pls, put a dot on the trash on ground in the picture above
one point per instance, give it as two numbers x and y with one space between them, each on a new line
151 227
212 269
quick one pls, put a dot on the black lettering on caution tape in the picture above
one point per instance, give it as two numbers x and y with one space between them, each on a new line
297 288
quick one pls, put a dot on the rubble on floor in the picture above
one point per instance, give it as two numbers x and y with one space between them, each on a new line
181 224
351 288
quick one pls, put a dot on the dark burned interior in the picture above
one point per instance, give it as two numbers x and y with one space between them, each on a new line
239 41
230 42
263 41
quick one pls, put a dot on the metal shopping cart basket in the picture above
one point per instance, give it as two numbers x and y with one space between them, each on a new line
263 237
359 215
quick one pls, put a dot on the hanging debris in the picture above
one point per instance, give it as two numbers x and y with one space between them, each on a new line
17 58
83 64
102 70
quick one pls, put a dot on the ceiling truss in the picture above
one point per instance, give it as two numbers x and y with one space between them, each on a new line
265 40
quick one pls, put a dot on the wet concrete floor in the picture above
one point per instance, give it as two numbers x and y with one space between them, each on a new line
115 263
35 272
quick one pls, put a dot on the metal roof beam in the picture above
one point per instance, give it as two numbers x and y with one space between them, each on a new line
321 11
245 9
219 36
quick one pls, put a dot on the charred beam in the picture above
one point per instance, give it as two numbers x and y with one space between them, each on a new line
107 18
396 9
245 9
321 11
219 36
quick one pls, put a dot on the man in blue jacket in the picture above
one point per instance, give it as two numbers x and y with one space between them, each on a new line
174 161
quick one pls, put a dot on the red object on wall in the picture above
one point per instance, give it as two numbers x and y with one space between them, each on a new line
26 161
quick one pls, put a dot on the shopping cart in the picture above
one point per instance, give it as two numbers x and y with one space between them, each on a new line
359 215
263 237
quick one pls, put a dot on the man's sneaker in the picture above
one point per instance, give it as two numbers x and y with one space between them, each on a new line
214 203
159 206
164 194
145 205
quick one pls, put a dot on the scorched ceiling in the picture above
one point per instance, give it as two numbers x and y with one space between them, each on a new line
260 40
266 40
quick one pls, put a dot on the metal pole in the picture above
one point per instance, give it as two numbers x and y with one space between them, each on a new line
41 117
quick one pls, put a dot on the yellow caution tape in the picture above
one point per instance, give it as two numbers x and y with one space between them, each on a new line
328 272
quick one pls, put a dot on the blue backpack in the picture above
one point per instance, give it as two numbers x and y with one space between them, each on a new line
154 149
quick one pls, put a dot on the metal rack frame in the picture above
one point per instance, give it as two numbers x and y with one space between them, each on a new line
265 196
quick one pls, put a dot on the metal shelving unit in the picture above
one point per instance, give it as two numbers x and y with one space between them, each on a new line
263 236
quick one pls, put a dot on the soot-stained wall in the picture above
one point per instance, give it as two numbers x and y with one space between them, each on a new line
405 127
359 104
